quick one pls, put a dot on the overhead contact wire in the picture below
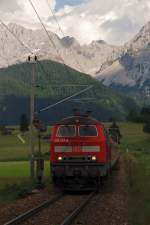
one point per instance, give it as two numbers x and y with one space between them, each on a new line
65 99
46 30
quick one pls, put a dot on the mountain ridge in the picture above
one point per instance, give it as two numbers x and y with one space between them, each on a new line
15 87
124 67
132 68
88 57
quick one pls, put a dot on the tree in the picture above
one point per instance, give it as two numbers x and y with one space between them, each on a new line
134 116
2 127
146 128
145 115
115 132
24 123
146 119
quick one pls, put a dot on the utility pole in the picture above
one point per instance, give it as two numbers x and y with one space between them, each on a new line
32 60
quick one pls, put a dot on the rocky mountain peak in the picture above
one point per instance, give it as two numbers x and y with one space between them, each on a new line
69 41
88 57
15 26
132 67
141 40
145 29
98 42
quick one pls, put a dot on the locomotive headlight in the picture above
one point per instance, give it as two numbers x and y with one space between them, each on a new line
93 158
60 158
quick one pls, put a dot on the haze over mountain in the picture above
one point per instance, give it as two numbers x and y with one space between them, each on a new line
132 68
123 67
85 58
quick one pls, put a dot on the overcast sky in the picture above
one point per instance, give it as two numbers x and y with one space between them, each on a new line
115 21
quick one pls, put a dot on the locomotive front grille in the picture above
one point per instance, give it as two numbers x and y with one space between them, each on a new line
77 148
77 158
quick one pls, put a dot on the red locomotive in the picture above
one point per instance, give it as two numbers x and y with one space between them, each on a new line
81 153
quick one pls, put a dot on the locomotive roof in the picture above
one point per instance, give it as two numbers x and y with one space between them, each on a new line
84 120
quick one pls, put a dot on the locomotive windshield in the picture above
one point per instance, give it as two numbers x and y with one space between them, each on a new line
87 131
66 131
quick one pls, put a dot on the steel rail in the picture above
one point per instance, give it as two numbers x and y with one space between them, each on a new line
23 217
69 219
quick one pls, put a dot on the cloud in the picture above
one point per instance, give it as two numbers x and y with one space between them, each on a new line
9 6
21 11
115 21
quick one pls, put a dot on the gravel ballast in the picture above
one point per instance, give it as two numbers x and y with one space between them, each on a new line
57 212
109 207
23 205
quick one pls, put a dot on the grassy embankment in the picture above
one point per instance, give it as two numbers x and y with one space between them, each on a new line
136 144
13 149
14 165
15 181
14 175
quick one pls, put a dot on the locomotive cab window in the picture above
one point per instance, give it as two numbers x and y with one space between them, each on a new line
66 131
87 131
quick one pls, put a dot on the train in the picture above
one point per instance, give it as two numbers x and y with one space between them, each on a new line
82 153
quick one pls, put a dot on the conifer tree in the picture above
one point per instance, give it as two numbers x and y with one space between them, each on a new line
24 123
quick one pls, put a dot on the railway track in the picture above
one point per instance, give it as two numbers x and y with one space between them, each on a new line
27 215
67 221
72 216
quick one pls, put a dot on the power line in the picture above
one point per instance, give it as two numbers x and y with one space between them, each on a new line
24 45
19 41
59 85
14 35
42 67
45 29
65 99
59 26
53 43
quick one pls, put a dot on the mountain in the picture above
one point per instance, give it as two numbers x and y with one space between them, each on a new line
84 58
125 69
15 88
131 71
141 40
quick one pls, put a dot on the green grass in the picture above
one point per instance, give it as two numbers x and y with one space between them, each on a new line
18 169
14 164
137 162
14 176
15 180
12 149
140 188
134 139
12 188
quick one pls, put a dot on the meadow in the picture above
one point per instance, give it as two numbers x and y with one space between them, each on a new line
15 179
135 146
14 165
13 149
